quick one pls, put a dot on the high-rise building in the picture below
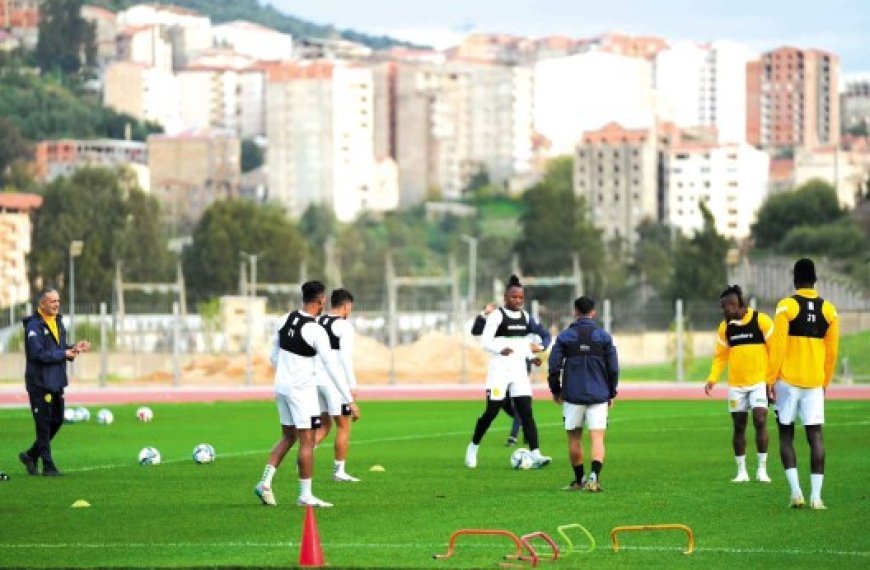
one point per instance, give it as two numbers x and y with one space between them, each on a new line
855 106
792 99
321 139
16 228
146 93
704 85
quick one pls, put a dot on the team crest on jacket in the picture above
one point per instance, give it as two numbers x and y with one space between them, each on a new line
48 398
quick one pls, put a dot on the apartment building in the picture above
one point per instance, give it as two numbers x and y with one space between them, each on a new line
187 32
731 180
146 93
21 17
223 90
56 158
16 228
704 85
616 171
846 170
585 91
191 170
253 40
855 105
792 99
106 30
321 139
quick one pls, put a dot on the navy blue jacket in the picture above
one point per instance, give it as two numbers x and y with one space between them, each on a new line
581 378
46 358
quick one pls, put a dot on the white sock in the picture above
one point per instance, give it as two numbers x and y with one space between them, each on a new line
791 476
762 461
305 487
741 463
816 480
339 467
472 447
268 473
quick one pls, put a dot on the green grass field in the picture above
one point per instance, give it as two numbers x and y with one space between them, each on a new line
667 462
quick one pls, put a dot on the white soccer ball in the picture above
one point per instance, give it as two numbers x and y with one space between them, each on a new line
522 459
82 414
149 456
144 414
203 453
70 415
105 417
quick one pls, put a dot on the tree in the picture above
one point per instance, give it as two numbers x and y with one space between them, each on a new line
556 225
13 147
229 227
699 262
813 204
115 219
66 41
840 240
653 254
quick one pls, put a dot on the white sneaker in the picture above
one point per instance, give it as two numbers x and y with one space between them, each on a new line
540 460
817 505
266 495
761 475
797 501
343 477
312 501
471 456
742 477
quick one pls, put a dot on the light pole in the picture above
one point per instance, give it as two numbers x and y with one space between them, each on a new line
472 269
252 292
75 250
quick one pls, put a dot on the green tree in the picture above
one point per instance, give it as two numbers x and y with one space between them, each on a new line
653 254
840 240
556 225
252 155
13 147
115 219
813 204
229 227
66 41
699 262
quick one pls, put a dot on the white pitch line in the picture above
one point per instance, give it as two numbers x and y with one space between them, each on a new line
433 546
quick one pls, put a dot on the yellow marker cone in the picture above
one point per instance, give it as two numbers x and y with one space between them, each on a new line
81 504
377 468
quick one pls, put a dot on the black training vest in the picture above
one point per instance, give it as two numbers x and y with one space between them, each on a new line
290 335
810 321
750 333
584 346
512 327
326 321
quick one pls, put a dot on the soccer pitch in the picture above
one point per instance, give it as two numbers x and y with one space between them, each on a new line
667 462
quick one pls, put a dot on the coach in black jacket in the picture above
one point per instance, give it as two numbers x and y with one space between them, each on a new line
583 374
45 377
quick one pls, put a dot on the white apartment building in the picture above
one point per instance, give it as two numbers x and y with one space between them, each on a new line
321 138
15 244
704 85
146 93
223 90
253 40
616 172
846 170
730 179
585 91
188 32
148 45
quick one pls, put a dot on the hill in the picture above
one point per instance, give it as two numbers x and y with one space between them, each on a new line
253 11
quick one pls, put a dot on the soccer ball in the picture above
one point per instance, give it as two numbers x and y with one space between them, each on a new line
82 414
144 414
105 416
149 456
70 416
522 459
203 453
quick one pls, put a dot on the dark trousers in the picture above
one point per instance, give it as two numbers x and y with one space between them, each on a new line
47 408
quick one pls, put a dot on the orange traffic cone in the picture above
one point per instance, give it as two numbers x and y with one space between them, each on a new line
310 552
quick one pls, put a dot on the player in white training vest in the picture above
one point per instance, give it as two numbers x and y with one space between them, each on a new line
295 347
332 404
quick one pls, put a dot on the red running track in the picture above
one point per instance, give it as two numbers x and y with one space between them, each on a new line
15 396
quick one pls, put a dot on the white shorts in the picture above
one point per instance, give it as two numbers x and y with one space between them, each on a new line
593 415
330 400
497 390
299 407
742 398
808 402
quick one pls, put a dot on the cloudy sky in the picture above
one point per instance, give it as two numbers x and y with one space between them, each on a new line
841 26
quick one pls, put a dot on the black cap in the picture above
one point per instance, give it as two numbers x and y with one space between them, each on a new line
804 271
